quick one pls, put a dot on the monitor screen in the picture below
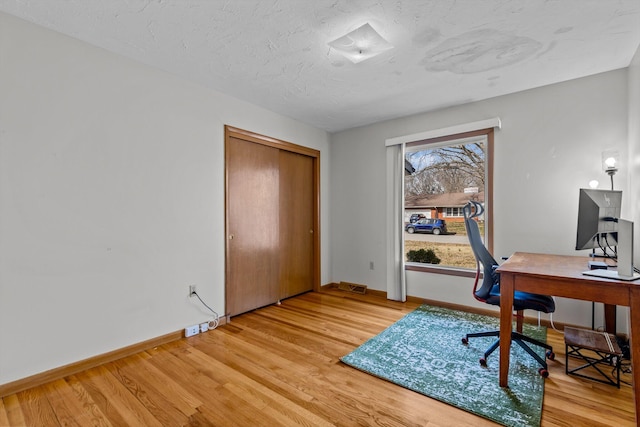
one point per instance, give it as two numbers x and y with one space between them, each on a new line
598 213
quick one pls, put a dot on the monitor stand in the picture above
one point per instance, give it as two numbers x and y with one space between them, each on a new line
625 256
611 274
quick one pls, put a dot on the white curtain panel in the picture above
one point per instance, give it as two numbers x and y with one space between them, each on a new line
396 280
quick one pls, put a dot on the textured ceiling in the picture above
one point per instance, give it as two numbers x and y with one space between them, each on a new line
274 53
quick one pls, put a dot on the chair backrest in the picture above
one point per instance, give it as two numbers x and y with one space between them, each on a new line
486 263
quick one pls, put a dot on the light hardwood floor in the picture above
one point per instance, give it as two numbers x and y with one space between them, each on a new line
278 366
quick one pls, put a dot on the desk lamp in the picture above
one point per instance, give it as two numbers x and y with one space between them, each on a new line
609 162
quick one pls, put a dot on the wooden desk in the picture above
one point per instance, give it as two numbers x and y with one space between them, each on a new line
562 276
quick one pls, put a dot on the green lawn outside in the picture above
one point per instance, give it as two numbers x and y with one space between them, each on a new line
450 254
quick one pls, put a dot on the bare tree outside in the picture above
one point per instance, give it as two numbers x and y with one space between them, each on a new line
446 169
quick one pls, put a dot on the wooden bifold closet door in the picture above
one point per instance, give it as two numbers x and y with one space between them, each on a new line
272 216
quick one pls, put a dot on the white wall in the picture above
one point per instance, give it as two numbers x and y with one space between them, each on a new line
111 198
634 150
549 146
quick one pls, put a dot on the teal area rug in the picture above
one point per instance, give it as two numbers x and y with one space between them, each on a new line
424 353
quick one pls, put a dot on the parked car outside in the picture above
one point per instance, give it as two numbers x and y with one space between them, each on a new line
427 225
416 217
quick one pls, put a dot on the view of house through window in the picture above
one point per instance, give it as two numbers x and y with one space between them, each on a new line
440 178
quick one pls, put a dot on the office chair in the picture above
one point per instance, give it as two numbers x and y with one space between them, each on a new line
489 292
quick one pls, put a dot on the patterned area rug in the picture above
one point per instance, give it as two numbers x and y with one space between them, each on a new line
423 352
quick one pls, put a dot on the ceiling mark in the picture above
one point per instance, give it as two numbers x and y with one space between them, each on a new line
478 51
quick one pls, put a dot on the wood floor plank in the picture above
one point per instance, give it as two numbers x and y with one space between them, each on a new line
4 419
154 379
89 408
283 340
280 365
36 408
274 405
188 375
166 407
68 409
281 379
116 399
15 416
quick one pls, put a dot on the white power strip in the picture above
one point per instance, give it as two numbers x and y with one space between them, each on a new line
190 331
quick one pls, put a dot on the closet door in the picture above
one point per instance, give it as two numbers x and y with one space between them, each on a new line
272 220
296 223
252 225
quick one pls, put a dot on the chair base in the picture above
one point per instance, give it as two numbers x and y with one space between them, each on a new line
523 341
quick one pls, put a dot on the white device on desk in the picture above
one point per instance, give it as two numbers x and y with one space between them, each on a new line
625 269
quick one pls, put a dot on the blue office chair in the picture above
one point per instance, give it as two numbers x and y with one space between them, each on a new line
489 292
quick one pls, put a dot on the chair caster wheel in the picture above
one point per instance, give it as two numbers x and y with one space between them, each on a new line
543 373
465 341
483 362
550 355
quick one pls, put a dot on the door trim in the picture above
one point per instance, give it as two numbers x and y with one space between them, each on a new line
233 132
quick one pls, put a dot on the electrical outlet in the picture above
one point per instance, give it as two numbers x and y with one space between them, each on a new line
204 327
191 330
192 290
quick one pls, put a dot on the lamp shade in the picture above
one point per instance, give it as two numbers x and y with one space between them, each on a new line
610 160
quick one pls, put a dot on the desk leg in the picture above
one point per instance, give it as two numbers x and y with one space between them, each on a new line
634 311
610 318
507 284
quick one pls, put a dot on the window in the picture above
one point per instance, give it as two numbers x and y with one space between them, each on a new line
446 173
453 212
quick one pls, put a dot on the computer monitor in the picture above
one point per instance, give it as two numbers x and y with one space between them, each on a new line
598 214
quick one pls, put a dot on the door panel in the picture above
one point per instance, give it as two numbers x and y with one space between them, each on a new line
296 223
272 220
252 225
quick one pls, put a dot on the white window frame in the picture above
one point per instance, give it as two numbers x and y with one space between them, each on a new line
395 179
451 215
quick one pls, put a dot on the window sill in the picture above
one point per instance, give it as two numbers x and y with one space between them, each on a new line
450 271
